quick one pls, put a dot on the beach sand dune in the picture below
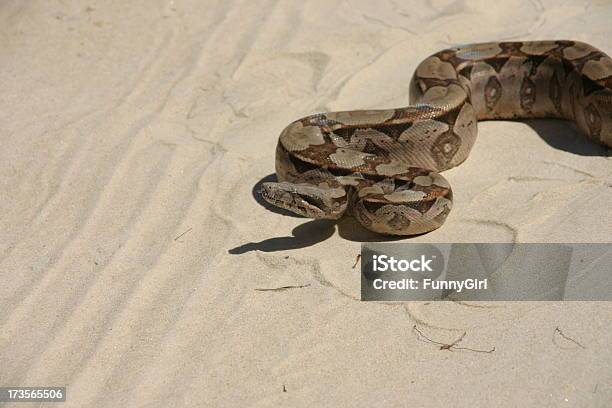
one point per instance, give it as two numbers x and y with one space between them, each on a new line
133 137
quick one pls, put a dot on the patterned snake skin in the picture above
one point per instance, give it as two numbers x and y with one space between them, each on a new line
381 166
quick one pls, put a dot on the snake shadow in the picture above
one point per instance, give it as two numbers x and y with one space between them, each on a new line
564 135
309 233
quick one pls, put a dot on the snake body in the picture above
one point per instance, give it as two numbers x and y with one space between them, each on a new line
382 166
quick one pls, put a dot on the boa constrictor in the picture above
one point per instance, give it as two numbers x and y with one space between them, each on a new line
382 166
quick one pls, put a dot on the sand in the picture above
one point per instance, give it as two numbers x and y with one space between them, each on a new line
134 135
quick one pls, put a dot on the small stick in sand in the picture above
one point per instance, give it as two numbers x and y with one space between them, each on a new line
357 260
282 288
183 234
560 333
284 389
449 346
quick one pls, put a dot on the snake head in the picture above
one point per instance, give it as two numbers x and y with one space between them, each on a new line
307 200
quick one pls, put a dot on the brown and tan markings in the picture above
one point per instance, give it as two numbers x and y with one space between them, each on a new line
382 166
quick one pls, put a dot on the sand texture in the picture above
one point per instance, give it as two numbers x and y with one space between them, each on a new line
134 135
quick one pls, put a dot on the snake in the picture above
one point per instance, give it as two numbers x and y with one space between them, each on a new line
383 166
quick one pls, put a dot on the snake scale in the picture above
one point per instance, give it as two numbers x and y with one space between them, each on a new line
382 166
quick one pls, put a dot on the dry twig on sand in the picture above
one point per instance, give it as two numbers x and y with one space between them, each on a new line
560 333
183 234
357 260
282 288
448 346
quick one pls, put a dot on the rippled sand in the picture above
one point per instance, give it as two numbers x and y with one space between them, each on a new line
133 136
